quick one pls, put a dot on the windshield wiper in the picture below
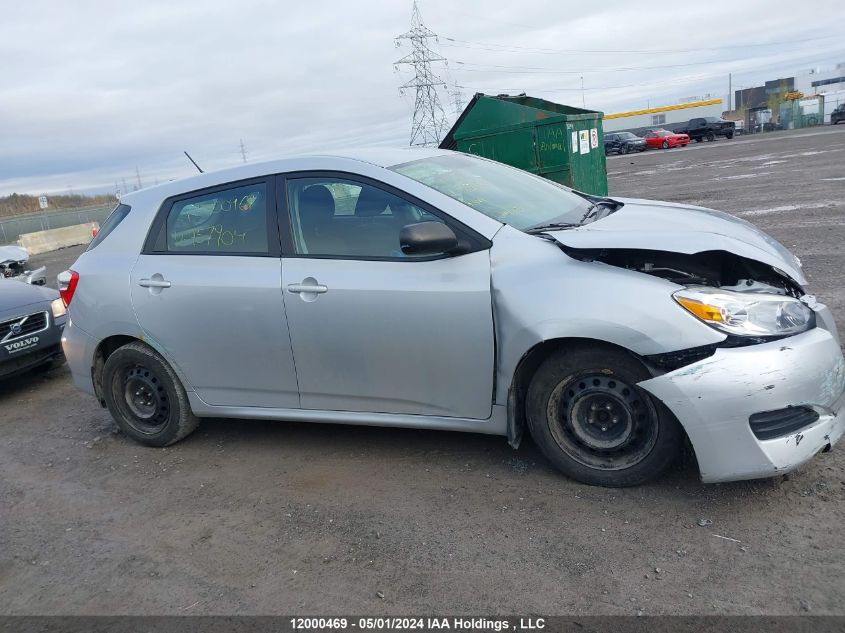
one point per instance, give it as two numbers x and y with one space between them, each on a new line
550 226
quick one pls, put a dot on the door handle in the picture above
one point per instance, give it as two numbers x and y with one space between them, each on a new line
153 283
316 289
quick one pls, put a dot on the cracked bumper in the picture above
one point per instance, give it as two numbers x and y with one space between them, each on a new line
714 398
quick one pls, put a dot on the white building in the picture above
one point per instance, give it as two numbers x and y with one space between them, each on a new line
664 115
828 81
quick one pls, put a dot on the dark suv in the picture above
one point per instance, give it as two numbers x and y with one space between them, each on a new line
623 142
836 116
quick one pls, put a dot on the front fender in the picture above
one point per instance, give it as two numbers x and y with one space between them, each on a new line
541 294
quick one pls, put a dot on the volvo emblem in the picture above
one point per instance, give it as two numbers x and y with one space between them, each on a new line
16 329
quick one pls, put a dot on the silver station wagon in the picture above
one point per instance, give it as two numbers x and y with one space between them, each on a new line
432 289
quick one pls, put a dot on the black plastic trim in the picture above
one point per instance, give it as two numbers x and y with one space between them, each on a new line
769 425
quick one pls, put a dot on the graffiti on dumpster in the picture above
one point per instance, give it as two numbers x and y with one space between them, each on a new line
551 139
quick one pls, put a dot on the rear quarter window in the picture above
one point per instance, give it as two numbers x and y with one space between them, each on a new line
115 217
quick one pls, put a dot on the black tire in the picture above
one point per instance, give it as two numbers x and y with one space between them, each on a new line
623 149
729 135
578 390
710 137
698 139
145 397
665 145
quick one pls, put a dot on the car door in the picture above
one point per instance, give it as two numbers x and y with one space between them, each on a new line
373 330
207 293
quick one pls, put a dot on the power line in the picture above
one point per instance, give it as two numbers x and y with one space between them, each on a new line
546 70
507 48
429 122
662 81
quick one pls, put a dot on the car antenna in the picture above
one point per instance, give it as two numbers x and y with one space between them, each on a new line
194 162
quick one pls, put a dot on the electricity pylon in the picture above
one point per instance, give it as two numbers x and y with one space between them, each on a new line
429 125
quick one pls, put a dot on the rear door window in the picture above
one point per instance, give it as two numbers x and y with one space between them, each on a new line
225 221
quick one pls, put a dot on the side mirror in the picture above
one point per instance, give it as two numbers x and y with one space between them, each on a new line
427 238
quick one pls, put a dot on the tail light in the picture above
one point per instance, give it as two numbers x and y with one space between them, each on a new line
94 232
67 285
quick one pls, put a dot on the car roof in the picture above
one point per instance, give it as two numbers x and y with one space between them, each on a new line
379 156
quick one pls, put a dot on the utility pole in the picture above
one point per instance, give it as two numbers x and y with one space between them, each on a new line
243 150
429 123
138 177
730 93
583 99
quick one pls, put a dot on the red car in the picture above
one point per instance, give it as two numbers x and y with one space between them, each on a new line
665 139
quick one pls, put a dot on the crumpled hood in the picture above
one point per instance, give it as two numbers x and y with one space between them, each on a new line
13 254
680 228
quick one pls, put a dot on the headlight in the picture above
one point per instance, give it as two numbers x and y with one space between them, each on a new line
58 308
747 314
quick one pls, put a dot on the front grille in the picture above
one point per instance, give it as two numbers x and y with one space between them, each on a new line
29 324
771 424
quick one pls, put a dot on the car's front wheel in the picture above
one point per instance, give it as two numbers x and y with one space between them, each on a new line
665 145
145 397
623 149
591 420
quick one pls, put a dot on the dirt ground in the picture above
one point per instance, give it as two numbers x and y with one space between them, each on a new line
281 518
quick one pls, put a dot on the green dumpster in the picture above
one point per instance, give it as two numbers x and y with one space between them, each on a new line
558 142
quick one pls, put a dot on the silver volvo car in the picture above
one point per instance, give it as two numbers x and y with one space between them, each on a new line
431 289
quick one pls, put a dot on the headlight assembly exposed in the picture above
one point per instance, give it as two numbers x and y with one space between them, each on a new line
746 314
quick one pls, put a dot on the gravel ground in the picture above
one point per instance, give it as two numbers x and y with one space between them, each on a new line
278 518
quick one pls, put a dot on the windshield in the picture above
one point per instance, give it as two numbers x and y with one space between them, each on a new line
627 135
506 194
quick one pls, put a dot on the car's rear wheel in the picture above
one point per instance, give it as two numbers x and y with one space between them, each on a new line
665 145
698 139
145 397
591 420
711 136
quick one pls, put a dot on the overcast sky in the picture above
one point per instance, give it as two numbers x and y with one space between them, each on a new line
93 89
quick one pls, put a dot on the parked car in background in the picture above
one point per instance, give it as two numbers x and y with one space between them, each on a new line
31 322
665 139
623 142
13 261
431 289
705 128
838 114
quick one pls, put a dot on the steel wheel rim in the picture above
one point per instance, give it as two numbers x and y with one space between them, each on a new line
144 400
601 421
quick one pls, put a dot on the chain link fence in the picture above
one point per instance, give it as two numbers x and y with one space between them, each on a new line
11 228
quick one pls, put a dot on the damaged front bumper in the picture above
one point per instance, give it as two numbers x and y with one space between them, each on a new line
715 398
